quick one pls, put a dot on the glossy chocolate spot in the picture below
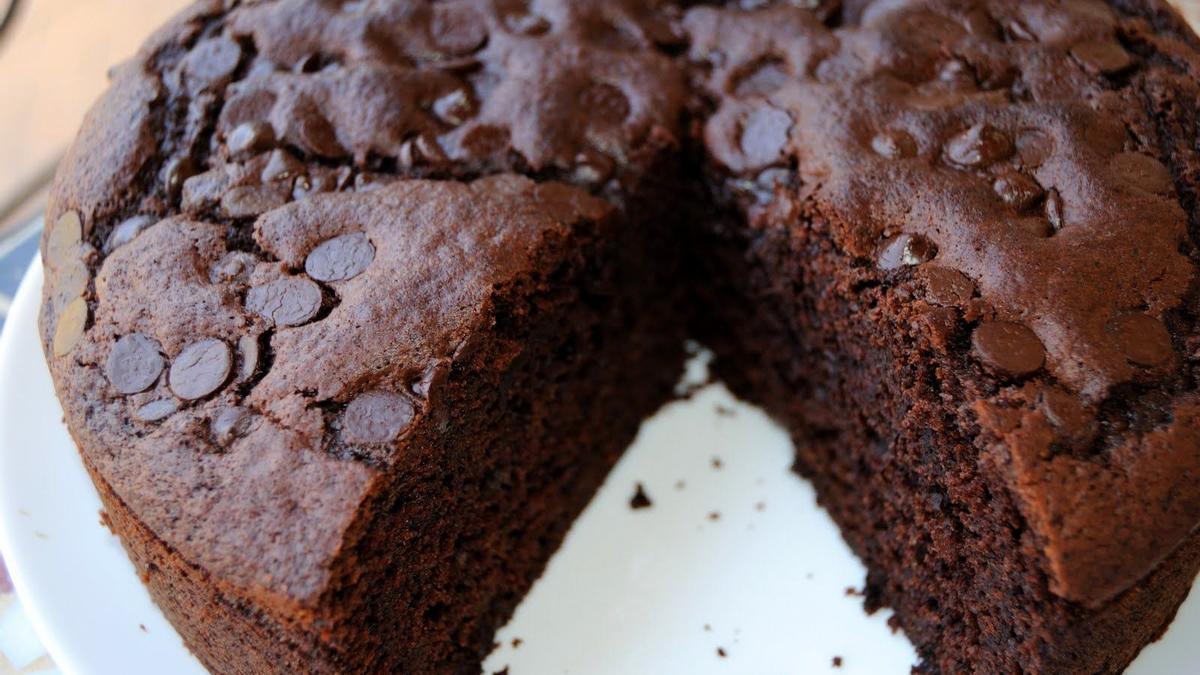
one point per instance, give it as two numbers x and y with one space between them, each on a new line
894 144
1053 209
200 369
290 301
1141 172
231 424
947 286
1143 339
71 324
455 107
1067 413
592 169
250 137
1008 347
317 135
156 411
762 78
1101 56
176 172
134 363
212 62
341 258
376 417
1017 190
127 230
978 147
905 250
765 135
457 29
605 105
1034 147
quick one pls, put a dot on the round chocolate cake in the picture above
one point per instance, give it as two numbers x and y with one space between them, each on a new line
352 305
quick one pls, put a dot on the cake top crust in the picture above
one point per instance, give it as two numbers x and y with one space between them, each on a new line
226 222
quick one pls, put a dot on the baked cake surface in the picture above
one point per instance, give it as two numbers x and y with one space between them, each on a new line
351 305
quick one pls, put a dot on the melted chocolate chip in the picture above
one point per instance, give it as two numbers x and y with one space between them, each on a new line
1034 147
69 281
978 147
765 135
1054 210
1067 413
761 78
455 107
341 258
156 411
251 200
1143 339
1101 56
127 231
894 144
230 424
1017 190
947 286
376 417
1008 347
606 105
200 369
134 363
317 135
1141 172
251 137
70 327
248 355
526 23
290 301
457 29
905 250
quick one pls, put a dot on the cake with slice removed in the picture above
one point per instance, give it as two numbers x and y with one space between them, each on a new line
351 306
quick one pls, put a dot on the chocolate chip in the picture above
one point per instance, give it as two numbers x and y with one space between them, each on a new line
1066 412
200 369
248 355
290 301
1008 347
1054 210
69 329
250 138
62 243
249 201
979 146
317 135
1141 172
212 62
485 140
457 29
526 23
176 172
1101 56
340 258
894 144
376 417
904 250
592 169
765 135
1017 190
605 104
155 411
947 286
230 424
1143 339
127 231
233 268
1034 147
281 166
455 107
134 363
762 78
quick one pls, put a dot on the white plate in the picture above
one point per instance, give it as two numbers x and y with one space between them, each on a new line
656 590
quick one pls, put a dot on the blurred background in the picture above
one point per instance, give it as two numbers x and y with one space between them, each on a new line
54 55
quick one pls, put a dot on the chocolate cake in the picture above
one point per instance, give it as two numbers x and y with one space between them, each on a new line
351 306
